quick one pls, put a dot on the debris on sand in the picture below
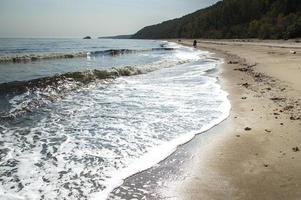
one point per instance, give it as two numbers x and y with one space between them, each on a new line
293 52
258 75
242 69
267 130
296 149
292 118
248 129
251 65
233 62
277 99
245 85
243 97
288 107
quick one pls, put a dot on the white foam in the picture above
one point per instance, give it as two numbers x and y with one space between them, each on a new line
131 125
155 156
161 152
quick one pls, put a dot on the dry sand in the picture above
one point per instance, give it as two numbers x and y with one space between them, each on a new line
256 153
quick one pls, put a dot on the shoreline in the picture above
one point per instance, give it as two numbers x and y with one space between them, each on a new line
253 153
133 188
256 155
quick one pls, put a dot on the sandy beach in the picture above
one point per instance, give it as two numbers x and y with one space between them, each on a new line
254 154
165 100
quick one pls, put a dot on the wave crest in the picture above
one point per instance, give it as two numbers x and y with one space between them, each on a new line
37 57
28 95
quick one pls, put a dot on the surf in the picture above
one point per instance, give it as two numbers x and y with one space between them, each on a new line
80 134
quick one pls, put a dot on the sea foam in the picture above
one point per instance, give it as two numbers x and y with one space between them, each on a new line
84 144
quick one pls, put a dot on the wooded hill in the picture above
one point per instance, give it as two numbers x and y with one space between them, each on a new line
266 19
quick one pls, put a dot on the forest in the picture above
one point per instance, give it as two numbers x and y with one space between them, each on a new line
265 19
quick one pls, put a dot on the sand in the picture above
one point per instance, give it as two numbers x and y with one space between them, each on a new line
254 154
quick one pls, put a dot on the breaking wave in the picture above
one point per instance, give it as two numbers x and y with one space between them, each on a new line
28 95
111 52
78 135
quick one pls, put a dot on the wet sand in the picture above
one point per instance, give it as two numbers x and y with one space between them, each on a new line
255 152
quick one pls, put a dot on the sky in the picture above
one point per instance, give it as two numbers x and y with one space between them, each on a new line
79 18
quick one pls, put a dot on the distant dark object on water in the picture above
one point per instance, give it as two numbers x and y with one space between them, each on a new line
195 43
87 38
179 40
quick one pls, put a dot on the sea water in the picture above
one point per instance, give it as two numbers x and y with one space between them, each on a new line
75 127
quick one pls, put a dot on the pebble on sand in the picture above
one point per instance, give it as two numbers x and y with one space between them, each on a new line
248 129
293 52
295 149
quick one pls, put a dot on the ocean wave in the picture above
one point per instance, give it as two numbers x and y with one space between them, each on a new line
75 142
28 95
36 57
84 77
110 52
96 131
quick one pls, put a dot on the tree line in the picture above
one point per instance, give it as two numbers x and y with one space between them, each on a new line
265 19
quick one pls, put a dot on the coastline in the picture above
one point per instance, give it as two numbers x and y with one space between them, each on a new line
253 154
262 162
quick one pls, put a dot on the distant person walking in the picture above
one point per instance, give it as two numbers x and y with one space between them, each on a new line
195 43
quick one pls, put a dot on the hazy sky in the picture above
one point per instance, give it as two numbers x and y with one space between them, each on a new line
77 18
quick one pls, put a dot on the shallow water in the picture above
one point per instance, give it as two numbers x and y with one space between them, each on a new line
81 143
